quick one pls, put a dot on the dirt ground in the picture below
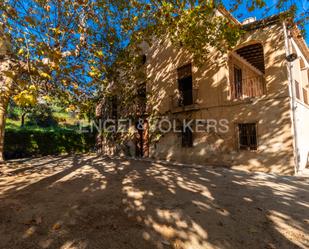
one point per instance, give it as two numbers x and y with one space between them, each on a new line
91 202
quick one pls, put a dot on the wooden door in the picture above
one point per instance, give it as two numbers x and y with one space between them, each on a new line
142 138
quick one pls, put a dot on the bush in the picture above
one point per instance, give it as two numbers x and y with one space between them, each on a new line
13 115
42 116
13 112
27 143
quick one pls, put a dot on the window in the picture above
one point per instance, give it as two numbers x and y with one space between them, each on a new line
247 136
144 59
297 89
185 85
247 85
187 137
141 91
305 94
238 82
142 97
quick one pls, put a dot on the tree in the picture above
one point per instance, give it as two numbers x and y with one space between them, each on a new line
9 68
42 115
26 100
47 39
69 49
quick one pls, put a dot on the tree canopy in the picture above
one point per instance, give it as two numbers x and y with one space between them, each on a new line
68 46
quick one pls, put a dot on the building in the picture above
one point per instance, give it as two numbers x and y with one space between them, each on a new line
260 90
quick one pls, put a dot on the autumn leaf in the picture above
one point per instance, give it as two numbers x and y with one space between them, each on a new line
45 75
99 53
75 85
20 51
56 31
29 20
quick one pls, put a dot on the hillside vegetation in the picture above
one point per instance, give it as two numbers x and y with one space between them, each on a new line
50 131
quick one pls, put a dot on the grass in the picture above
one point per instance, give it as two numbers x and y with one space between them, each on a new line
65 118
62 136
65 122
12 127
12 124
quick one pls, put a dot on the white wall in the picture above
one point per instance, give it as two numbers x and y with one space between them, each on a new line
302 110
302 125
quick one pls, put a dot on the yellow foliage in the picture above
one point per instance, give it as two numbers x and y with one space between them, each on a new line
99 53
20 51
92 74
21 83
56 30
32 88
65 82
75 85
71 108
45 75
95 72
26 98
47 98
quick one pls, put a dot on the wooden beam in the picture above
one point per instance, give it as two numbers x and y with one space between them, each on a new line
253 68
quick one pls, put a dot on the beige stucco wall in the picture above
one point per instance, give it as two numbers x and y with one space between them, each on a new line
271 112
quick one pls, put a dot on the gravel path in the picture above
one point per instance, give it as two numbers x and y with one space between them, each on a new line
91 202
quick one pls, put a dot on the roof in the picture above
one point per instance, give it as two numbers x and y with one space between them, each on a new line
268 21
301 43
295 32
228 14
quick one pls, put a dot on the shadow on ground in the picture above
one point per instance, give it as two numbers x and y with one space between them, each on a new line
90 202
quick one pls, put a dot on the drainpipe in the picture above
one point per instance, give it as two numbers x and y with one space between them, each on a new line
292 97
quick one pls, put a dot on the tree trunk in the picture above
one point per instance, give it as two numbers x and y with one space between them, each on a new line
3 107
6 86
23 119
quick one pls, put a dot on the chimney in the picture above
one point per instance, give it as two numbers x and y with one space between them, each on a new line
249 20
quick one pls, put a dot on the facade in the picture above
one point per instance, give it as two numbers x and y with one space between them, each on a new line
259 93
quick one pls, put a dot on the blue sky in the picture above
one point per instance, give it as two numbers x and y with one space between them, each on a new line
242 13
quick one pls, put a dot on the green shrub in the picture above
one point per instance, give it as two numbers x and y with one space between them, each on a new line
42 115
37 142
13 115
